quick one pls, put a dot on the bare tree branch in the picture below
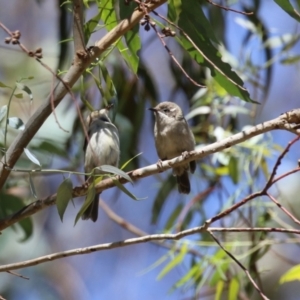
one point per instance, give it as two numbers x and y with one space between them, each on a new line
132 241
80 251
288 121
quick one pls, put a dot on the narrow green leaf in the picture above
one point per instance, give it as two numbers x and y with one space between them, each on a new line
219 290
123 189
233 168
109 17
291 275
27 227
193 274
64 195
290 60
110 87
130 160
234 287
288 8
176 212
132 37
174 262
19 95
88 200
174 9
2 85
218 260
114 170
90 25
161 197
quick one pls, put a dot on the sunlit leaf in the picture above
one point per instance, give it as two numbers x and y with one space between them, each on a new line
193 274
219 290
233 168
291 275
233 291
174 262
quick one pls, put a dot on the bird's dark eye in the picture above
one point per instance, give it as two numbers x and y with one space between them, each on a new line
166 110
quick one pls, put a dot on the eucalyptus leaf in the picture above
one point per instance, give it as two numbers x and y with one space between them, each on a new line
123 189
114 170
88 200
64 195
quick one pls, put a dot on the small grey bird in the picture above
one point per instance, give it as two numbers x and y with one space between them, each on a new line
102 148
172 138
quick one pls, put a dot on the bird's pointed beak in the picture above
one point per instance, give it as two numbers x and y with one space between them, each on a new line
152 109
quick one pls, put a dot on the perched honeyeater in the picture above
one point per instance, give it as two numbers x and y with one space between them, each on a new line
101 148
173 137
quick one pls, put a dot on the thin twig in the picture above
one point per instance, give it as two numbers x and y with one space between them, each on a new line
283 209
230 9
278 162
138 232
199 50
101 247
18 275
174 58
240 265
254 229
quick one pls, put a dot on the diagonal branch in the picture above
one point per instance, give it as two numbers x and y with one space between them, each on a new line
288 121
241 266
